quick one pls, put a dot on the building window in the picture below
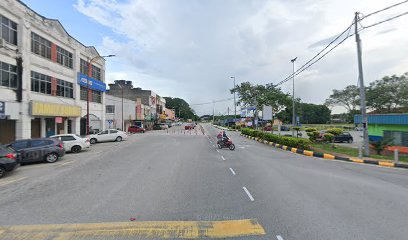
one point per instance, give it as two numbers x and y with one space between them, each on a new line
8 30
8 77
110 108
96 96
83 66
40 46
65 89
84 93
96 72
40 83
64 57
398 138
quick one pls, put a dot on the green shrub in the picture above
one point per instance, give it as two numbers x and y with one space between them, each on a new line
313 135
310 130
382 144
335 131
328 137
287 141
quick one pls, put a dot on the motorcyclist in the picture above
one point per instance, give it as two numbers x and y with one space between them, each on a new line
224 137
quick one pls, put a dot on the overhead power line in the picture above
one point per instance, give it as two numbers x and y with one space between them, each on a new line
386 20
215 101
317 55
384 9
312 61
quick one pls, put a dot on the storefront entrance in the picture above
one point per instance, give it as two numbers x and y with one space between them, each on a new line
49 127
7 131
36 128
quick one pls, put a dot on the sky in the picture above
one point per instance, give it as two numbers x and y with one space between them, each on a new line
191 48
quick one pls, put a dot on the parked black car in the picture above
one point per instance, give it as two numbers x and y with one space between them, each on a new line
8 160
38 149
344 137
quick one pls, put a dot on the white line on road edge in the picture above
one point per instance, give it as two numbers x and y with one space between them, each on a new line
248 193
65 163
223 158
232 170
279 237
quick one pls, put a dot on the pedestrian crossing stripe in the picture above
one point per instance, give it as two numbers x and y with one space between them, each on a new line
150 229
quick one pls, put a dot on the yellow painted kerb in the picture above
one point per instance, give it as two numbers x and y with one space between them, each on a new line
154 230
293 150
308 153
357 160
328 156
386 164
284 147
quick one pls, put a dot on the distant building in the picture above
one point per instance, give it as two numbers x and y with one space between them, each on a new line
113 112
394 126
152 104
42 80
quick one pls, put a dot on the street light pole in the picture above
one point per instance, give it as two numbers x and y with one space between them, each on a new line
235 103
88 90
293 95
123 127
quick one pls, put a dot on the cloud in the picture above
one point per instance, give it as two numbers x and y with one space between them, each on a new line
191 48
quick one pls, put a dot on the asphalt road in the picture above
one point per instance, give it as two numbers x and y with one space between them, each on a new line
178 176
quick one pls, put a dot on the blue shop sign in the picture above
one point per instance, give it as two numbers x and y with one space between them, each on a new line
93 83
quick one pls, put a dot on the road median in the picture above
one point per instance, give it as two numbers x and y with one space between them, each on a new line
331 156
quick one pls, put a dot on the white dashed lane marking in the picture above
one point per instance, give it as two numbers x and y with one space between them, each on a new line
248 193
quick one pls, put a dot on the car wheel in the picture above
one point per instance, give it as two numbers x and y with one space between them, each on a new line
2 172
51 157
76 149
93 140
350 141
118 139
142 131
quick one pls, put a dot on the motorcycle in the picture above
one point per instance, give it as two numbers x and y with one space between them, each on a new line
226 144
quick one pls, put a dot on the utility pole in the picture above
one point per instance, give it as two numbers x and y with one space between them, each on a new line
213 111
235 102
123 122
293 96
362 88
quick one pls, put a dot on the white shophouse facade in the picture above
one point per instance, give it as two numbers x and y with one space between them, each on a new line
113 112
40 87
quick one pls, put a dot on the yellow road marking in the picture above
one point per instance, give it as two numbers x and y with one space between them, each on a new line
308 153
328 156
153 229
357 160
11 181
386 164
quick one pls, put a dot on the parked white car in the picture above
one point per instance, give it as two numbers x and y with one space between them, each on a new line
72 142
108 135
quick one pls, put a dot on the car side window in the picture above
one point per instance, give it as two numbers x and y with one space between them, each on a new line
113 131
67 138
19 145
103 132
38 143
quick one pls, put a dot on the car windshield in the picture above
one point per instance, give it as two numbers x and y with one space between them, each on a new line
204 119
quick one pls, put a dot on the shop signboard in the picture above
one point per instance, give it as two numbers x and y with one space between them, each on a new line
94 84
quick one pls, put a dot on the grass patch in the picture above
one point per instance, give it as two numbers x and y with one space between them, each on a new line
353 152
